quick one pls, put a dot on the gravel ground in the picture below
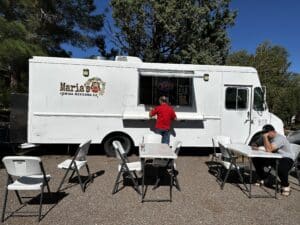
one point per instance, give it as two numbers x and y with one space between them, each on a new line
200 201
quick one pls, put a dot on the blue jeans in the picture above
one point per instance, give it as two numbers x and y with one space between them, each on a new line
165 135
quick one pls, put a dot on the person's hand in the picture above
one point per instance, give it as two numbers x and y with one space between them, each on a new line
254 147
266 135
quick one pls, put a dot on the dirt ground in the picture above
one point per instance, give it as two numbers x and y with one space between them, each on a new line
200 201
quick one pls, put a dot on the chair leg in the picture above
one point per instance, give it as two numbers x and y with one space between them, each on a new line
213 157
41 203
171 186
90 175
176 183
136 186
79 178
241 177
297 171
226 176
4 204
117 183
157 177
63 180
72 174
219 173
19 197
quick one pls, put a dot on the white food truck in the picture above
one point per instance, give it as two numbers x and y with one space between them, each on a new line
71 100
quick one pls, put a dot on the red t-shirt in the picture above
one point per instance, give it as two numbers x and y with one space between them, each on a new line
165 115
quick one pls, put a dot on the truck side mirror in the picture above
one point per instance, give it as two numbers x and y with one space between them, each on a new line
264 89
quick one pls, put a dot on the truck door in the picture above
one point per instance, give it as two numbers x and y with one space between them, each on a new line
236 118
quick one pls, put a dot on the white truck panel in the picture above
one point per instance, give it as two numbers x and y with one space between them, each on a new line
67 107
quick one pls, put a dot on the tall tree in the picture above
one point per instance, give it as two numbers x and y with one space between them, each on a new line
14 53
52 23
40 27
187 31
283 87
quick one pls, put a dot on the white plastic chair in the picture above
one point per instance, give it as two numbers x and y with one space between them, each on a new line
126 167
29 175
229 163
296 151
215 140
78 161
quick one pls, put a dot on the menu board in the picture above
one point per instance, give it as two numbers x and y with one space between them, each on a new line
177 90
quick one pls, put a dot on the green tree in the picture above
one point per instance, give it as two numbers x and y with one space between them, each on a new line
52 23
14 53
40 27
173 31
283 87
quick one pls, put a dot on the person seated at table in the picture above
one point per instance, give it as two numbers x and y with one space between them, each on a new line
274 142
165 116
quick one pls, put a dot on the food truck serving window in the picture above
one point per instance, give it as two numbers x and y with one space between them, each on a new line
177 89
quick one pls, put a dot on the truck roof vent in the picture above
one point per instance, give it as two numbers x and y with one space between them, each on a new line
98 57
128 59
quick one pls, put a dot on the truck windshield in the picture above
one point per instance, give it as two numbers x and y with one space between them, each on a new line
178 90
258 103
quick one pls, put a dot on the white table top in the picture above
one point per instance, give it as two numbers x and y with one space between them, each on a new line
157 150
246 150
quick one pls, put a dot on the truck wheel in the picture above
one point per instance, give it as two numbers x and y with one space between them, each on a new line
108 146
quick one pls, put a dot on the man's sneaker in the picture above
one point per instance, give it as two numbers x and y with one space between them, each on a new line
286 191
259 183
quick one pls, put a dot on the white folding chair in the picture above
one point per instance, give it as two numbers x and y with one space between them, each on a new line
229 163
24 173
215 141
78 161
296 151
126 168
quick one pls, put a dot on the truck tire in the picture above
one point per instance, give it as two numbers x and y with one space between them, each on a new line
124 140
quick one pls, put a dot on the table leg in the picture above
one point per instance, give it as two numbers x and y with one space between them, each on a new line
250 161
276 181
143 179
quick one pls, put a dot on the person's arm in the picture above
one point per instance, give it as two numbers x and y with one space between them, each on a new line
152 112
267 144
258 142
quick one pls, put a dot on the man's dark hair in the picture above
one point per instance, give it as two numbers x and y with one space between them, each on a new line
268 127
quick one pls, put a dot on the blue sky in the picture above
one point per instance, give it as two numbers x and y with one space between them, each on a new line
276 21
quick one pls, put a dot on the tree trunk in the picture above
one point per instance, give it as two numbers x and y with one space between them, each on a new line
13 80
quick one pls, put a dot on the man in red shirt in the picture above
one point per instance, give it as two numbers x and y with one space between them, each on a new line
165 116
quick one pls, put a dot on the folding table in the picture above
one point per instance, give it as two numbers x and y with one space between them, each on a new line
155 151
247 151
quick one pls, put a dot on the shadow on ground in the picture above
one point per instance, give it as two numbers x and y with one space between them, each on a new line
49 198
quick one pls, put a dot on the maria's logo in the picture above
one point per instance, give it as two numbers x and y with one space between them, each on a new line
92 87
97 86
